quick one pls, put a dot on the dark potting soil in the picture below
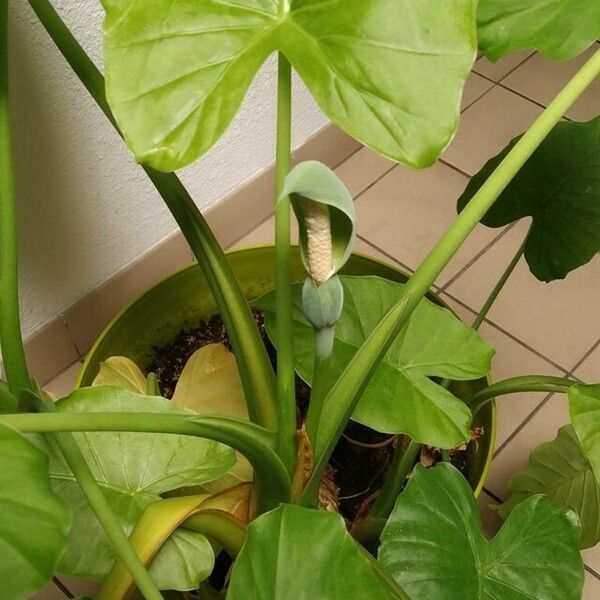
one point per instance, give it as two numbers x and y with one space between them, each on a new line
360 460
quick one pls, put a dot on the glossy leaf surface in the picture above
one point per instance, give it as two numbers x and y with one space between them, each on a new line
210 385
400 398
434 546
584 406
133 469
34 521
561 29
561 471
177 72
559 187
295 552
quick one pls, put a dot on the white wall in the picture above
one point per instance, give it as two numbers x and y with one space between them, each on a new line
86 209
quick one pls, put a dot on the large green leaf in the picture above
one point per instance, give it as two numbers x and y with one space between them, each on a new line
400 397
177 72
561 471
34 521
584 406
133 469
559 28
559 187
304 554
434 547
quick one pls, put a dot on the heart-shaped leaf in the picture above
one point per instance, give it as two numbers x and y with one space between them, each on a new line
584 407
559 187
177 72
434 547
210 385
133 469
294 552
561 471
312 184
560 29
400 397
121 372
34 521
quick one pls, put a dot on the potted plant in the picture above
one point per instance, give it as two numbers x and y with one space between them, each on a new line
120 484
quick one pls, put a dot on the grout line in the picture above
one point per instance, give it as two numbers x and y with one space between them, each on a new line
62 587
386 254
591 571
493 496
585 357
248 232
80 354
455 168
506 74
514 91
479 97
523 423
387 172
478 256
510 335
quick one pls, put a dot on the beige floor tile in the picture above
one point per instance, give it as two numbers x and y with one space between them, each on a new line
50 592
541 79
80 587
487 126
407 211
362 170
511 360
591 588
537 313
541 428
475 87
64 383
589 371
499 69
591 557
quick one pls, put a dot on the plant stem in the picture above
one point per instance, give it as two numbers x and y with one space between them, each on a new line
346 392
485 309
514 385
253 362
112 529
11 341
251 440
286 384
402 463
317 394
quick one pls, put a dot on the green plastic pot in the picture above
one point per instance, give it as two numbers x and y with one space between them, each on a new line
183 299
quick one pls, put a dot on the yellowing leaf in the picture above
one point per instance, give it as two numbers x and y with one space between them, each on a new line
121 372
210 385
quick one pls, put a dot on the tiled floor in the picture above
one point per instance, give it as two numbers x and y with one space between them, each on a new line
533 326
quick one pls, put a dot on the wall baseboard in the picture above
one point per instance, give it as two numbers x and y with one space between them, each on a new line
66 339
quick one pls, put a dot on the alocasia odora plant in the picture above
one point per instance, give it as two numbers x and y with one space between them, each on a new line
110 496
